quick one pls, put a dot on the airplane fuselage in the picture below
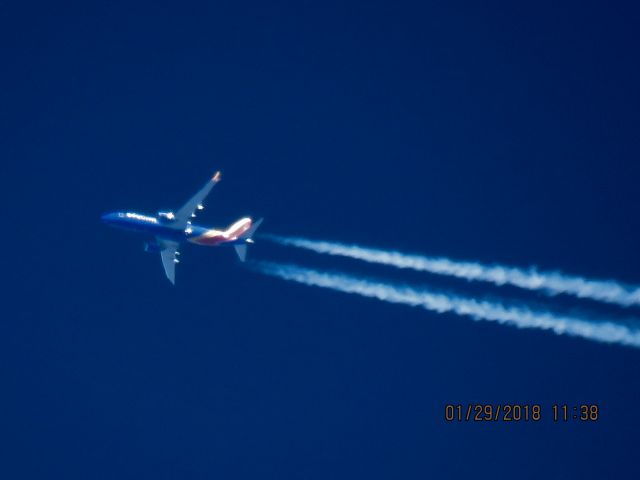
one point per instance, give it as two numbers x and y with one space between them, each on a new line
162 228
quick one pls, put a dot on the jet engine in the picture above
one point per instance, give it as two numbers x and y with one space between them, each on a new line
166 216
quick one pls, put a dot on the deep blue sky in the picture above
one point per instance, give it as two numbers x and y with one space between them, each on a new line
495 133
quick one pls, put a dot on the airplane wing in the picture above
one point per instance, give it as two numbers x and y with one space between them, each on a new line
168 255
187 211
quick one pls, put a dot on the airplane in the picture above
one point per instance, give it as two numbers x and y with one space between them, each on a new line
169 230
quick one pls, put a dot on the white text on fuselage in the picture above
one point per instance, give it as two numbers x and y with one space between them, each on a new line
142 218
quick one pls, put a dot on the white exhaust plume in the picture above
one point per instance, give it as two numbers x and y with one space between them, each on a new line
600 331
551 283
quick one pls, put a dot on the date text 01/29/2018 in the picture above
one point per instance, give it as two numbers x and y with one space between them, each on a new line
486 412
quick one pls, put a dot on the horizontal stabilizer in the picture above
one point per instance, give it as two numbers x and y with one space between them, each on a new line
249 233
241 250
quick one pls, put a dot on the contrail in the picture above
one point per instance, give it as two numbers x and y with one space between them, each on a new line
551 283
600 331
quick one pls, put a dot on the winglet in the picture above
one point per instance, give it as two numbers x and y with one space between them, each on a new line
216 177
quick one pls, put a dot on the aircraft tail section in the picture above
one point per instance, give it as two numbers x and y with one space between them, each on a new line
246 238
249 233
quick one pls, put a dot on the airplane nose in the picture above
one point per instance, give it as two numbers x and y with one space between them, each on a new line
108 217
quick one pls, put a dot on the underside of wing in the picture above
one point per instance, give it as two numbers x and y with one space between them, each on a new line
169 254
187 211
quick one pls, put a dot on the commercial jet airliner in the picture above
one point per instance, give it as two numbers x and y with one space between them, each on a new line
168 230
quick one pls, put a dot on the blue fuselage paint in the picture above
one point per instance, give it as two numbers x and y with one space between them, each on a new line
152 226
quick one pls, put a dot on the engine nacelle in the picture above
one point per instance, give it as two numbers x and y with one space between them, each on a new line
166 216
